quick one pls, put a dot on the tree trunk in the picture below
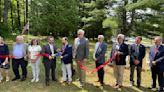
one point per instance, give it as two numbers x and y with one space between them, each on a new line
26 11
0 11
11 13
6 13
131 26
18 13
124 19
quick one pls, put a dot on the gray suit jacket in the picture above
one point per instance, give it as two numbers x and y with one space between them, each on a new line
82 50
99 53
46 50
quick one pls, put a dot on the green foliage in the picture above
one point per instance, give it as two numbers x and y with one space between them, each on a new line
151 22
59 17
92 16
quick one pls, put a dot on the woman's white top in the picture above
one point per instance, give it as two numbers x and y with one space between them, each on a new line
34 50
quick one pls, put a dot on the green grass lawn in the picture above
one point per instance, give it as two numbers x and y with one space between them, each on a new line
27 86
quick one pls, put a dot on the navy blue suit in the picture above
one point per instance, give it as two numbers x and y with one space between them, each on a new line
159 58
49 64
67 55
136 53
153 56
139 57
124 49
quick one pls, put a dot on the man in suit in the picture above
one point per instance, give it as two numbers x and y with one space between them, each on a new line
137 53
66 58
121 51
152 54
50 61
20 57
99 57
81 49
158 62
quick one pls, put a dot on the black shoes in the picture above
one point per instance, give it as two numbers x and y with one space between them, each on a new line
160 89
151 87
23 78
15 78
47 83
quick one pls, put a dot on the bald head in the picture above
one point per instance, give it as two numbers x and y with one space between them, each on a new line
19 39
157 40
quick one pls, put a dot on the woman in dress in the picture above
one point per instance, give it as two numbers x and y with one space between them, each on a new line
33 50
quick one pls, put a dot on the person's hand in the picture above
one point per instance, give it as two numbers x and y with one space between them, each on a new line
119 53
53 55
50 57
6 61
154 62
33 61
136 62
29 57
85 60
26 57
58 50
61 57
95 59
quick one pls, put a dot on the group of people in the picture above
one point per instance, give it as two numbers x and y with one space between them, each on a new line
22 53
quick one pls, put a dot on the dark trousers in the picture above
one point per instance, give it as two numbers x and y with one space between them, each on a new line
154 75
49 65
100 73
161 79
15 67
139 69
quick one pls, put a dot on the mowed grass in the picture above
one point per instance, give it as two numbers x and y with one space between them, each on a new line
90 86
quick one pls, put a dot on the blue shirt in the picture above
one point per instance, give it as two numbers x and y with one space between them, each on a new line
18 51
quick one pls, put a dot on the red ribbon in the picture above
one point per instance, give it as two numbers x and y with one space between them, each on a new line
45 55
98 68
10 56
6 56
104 64
118 58
83 67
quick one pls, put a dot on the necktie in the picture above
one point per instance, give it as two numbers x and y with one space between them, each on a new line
155 51
137 49
118 56
98 49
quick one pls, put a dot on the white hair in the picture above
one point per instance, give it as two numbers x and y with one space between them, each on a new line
20 37
81 31
101 36
121 35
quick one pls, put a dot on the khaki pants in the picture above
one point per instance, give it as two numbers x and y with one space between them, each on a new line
2 71
67 72
118 73
81 72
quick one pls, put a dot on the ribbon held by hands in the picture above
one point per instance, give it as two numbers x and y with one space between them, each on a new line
45 55
104 64
98 68
83 67
7 56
